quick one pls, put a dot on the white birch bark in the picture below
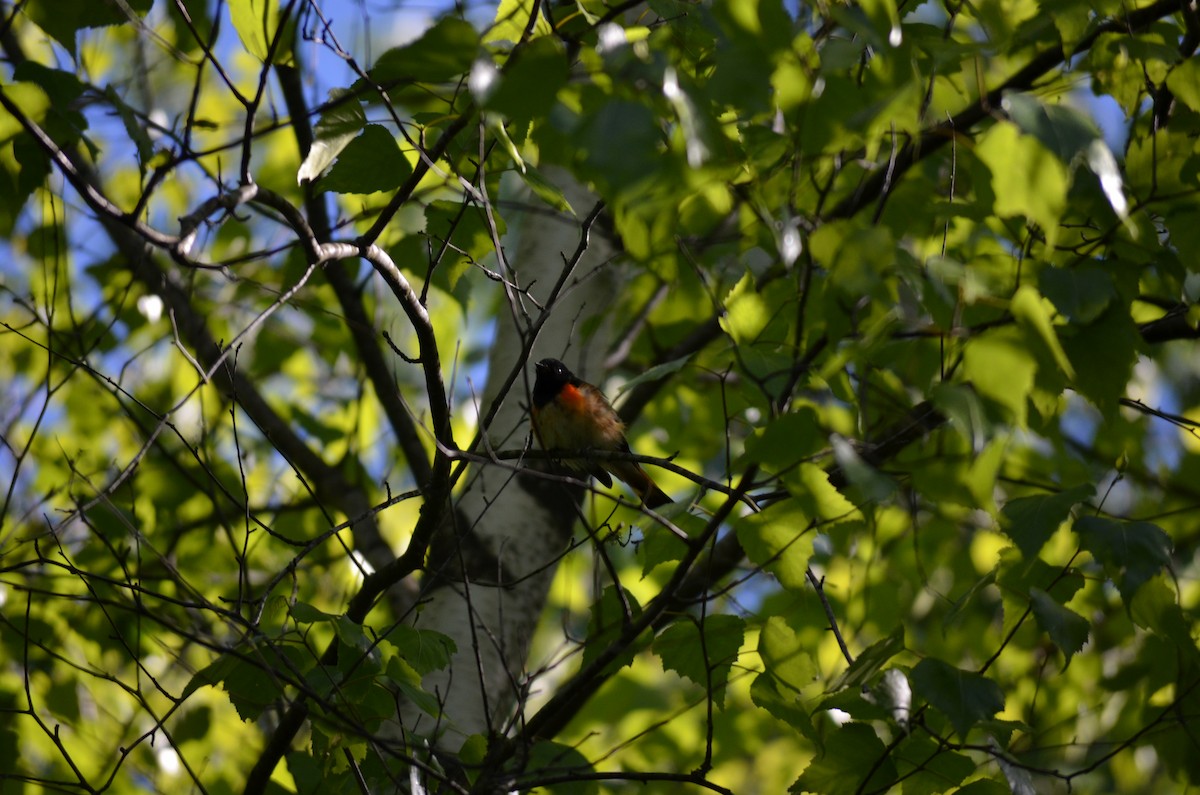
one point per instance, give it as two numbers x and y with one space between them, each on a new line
512 529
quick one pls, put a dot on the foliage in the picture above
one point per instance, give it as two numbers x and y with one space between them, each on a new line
910 288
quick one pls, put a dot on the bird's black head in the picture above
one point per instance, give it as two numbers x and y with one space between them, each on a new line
552 376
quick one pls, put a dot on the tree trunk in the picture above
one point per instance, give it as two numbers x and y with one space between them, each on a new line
491 564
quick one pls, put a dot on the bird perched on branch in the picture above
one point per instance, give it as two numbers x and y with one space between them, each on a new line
570 414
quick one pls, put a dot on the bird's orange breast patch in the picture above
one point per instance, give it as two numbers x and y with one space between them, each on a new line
572 399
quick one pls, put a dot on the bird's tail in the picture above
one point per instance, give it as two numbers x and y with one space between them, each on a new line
637 479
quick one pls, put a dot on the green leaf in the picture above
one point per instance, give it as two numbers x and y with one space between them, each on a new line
785 440
62 699
788 709
610 616
927 768
62 19
338 126
1184 82
1155 607
469 237
1066 628
746 313
1002 368
254 680
559 761
656 373
809 484
962 696
370 163
305 613
1103 354
1062 129
970 599
31 100
855 254
210 675
1177 749
867 482
780 540
870 661
1028 180
984 786
1183 224
852 753
785 656
62 87
306 770
530 82
1081 293
546 190
1070 17
444 52
620 144
964 410
1030 521
194 724
1131 552
510 21
257 25
708 660
424 649
1029 308
1018 578
658 547
405 678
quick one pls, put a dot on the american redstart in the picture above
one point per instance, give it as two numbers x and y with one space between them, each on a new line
572 415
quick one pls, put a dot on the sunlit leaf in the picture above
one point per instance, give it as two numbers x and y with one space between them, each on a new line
745 311
1184 81
784 654
337 127
1027 179
810 486
1029 308
258 26
1002 368
780 540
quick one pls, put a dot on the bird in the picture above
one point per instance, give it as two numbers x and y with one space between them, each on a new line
571 414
